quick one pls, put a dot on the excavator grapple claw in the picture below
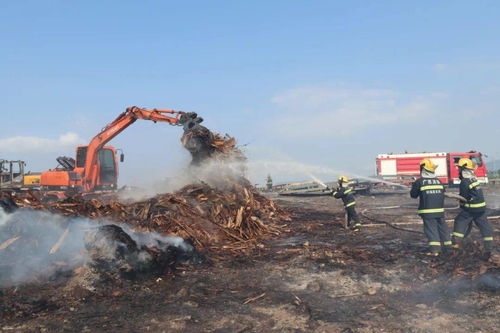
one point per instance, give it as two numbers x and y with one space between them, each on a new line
190 121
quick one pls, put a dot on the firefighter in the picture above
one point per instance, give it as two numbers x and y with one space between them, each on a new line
269 183
430 190
346 193
474 209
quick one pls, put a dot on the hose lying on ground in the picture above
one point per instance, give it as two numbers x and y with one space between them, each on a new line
388 223
380 222
412 206
449 195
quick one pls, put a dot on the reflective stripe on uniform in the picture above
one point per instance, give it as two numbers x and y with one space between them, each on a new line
447 243
432 210
472 185
432 187
348 191
358 224
334 193
350 204
458 234
488 238
476 205
434 243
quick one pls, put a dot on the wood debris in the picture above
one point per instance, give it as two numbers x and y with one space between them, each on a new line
252 299
230 216
233 219
59 241
8 242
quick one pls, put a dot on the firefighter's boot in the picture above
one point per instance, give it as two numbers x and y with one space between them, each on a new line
433 251
356 227
488 247
458 243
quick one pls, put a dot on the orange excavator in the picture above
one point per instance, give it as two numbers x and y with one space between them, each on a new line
95 168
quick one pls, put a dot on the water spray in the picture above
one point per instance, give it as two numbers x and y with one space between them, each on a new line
296 168
377 180
317 180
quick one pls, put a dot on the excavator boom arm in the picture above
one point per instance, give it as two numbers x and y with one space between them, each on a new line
91 171
156 114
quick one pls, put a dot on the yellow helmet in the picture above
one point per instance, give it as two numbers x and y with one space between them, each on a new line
466 163
343 179
428 164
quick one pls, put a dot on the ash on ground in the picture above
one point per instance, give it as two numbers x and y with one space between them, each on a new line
113 255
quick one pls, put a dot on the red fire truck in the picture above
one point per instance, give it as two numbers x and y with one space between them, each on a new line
404 167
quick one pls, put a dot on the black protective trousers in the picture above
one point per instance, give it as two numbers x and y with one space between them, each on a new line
352 216
463 226
437 232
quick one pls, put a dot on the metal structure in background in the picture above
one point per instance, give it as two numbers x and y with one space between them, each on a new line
312 188
13 177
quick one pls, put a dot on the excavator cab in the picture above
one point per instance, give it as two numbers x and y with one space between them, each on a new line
14 178
107 166
11 172
67 178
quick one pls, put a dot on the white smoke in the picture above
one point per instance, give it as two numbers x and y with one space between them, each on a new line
156 240
38 245
213 172
33 236
3 217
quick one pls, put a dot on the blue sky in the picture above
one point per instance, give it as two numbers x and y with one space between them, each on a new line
326 83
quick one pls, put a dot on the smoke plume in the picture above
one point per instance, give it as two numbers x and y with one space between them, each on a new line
39 245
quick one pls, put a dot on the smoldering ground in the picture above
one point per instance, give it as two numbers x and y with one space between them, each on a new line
34 253
38 245
317 278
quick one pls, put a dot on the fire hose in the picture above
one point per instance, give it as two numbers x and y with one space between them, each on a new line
383 222
449 195
379 221
373 219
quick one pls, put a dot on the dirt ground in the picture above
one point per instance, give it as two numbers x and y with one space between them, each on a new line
315 278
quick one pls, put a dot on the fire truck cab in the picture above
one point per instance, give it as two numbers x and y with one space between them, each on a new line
405 167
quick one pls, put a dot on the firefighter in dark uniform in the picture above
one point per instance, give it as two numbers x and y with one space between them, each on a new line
346 193
430 190
269 183
474 209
